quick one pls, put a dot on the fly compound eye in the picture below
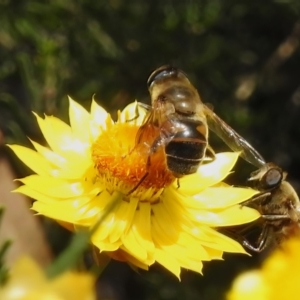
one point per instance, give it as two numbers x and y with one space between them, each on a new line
272 178
161 73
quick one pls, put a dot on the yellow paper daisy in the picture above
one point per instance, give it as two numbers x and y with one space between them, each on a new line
95 162
28 282
278 279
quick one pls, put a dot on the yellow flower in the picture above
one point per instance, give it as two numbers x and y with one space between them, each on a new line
278 279
95 162
28 282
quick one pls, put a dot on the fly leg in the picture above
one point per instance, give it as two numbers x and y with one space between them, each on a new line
148 164
256 200
267 234
137 112
210 154
264 239
272 218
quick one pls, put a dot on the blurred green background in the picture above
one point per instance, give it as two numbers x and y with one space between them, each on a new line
243 57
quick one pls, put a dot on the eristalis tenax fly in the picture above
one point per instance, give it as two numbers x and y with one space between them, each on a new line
278 204
182 122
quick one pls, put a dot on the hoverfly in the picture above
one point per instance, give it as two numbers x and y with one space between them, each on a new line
278 204
183 122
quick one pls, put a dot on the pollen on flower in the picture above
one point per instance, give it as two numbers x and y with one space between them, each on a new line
121 163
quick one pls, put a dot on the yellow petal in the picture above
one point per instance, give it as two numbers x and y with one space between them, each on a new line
133 247
214 253
249 286
73 202
104 229
174 203
106 246
221 197
168 262
99 120
221 242
193 265
163 225
106 201
35 161
60 138
124 214
238 215
181 255
62 167
189 246
25 277
141 227
135 262
56 132
27 282
208 174
58 188
230 216
58 212
54 158
25 266
75 286
98 114
79 120
82 209
65 216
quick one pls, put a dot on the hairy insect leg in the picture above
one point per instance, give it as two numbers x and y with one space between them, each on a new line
276 217
210 155
137 112
143 177
210 152
263 241
257 199
136 116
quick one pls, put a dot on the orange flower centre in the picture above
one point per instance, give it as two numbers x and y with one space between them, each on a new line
126 166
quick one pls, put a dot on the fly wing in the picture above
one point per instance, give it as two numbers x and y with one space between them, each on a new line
160 126
233 140
152 123
147 127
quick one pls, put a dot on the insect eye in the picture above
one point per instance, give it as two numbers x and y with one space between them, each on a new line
272 178
161 73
